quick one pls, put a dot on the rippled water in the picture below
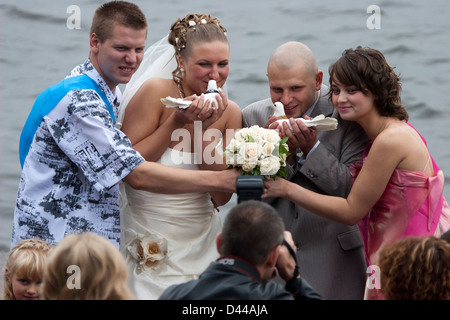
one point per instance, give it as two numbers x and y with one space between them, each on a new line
37 49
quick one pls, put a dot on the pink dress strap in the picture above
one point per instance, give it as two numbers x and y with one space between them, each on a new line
432 206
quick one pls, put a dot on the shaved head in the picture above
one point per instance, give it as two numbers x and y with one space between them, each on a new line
294 78
292 53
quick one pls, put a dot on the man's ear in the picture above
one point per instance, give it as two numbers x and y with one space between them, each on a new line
273 257
319 79
94 41
218 241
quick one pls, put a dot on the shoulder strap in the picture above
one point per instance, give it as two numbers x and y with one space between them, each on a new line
47 101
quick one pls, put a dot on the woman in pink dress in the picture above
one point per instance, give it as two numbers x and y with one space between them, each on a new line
398 188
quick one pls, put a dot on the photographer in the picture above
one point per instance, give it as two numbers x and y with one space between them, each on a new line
254 247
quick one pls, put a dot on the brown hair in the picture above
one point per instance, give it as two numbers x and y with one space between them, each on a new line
416 268
192 29
26 259
368 70
116 12
102 269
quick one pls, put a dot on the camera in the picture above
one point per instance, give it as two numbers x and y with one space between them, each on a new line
249 187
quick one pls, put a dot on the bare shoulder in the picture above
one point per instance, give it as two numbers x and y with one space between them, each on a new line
402 144
399 134
159 84
150 93
231 118
234 108
233 115
147 98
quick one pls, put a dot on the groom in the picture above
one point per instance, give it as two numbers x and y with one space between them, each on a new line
73 156
330 255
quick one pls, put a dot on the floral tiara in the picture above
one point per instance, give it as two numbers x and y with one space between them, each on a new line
192 25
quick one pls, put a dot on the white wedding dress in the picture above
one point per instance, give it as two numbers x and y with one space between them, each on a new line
166 239
186 223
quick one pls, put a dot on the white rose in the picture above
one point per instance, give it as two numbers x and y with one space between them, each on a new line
231 159
235 157
241 135
252 151
268 148
233 145
269 165
271 136
255 133
248 166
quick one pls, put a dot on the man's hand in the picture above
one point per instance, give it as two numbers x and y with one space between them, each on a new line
286 263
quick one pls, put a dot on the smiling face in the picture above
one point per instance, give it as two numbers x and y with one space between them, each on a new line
351 103
207 61
119 56
296 87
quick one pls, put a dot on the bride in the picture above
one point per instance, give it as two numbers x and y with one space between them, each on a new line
168 239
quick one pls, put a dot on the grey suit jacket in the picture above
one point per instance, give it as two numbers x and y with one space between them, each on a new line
330 255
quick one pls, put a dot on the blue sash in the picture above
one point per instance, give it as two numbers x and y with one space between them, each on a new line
47 100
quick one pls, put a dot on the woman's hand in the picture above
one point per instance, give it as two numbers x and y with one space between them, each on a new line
193 112
203 110
275 188
215 111
226 179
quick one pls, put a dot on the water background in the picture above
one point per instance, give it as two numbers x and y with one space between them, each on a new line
37 49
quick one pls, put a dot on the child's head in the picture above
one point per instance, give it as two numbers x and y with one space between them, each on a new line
24 270
416 268
85 266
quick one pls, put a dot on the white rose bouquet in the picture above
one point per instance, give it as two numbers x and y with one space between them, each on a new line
258 151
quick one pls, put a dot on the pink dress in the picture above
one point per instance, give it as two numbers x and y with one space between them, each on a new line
412 204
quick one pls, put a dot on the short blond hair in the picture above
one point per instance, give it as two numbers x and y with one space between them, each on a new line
102 269
115 13
26 259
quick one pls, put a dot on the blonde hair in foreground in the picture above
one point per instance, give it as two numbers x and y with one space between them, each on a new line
26 259
102 270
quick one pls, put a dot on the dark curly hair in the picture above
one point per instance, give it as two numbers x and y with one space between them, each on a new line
368 70
416 268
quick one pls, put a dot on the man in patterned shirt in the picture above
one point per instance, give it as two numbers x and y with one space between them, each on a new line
73 157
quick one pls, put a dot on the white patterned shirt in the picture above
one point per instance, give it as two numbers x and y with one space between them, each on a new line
71 175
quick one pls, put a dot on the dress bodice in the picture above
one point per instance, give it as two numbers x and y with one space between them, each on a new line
187 223
406 208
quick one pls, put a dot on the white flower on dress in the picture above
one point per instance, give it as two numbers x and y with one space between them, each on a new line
149 251
258 151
